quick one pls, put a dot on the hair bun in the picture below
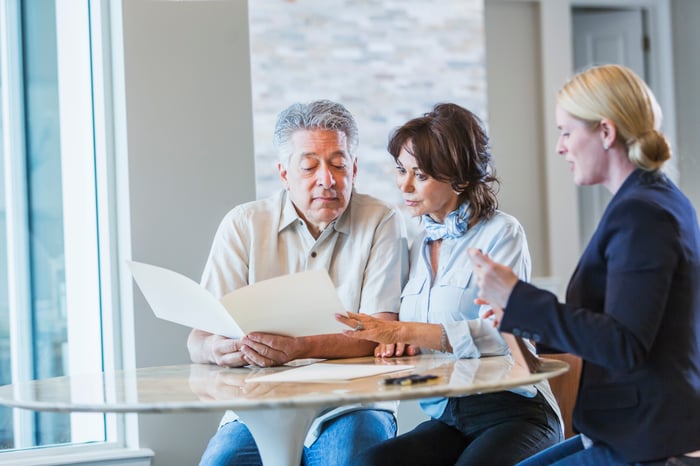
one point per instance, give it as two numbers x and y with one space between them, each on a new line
651 149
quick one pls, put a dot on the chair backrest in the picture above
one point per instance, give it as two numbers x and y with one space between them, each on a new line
565 388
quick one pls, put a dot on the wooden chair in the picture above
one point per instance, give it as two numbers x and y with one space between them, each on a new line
565 388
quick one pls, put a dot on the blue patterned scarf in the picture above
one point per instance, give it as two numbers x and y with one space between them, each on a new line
455 225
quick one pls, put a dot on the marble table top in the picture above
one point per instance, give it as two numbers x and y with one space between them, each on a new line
197 387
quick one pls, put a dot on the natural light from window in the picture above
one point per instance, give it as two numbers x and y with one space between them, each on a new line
54 240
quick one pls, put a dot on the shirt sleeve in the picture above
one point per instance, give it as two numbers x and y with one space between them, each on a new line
474 338
386 271
227 269
640 253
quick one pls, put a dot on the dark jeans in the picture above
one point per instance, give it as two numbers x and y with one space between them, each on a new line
572 453
494 429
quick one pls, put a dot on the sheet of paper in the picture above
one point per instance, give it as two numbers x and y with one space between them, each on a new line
327 372
296 305
179 299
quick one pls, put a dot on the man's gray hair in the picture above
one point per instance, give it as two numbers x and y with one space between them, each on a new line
320 114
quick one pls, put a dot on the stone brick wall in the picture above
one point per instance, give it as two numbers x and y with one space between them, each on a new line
387 61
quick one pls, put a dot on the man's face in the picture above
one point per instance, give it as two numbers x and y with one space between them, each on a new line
319 177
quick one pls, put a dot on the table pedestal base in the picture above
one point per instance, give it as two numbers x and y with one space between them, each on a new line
279 432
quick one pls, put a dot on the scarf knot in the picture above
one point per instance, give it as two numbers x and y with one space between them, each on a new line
455 226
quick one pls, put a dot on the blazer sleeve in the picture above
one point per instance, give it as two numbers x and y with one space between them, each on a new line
639 248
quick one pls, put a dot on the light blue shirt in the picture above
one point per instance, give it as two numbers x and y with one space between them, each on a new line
449 298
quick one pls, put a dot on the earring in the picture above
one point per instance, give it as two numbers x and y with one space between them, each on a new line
605 146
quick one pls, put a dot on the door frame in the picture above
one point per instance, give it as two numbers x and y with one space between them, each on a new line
659 67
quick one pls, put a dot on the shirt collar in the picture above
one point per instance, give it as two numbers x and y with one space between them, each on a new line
343 223
289 214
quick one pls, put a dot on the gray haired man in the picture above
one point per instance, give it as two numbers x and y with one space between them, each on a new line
317 221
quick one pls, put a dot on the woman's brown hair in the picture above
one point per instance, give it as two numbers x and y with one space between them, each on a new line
450 145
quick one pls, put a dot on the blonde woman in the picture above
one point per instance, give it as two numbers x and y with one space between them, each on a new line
632 309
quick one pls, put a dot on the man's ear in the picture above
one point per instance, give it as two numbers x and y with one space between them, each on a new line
283 175
354 171
608 132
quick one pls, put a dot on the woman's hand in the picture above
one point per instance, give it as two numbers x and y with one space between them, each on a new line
497 315
495 281
388 350
370 328
391 334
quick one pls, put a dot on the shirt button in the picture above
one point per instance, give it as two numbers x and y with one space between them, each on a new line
526 335
313 254
516 332
536 337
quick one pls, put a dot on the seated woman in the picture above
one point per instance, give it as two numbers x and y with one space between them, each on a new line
444 172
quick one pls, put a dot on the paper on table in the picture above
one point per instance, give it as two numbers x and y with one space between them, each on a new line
325 372
296 305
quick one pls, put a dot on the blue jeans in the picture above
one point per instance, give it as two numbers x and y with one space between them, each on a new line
341 438
572 453
494 429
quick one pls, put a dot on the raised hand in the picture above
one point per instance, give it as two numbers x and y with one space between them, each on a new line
495 281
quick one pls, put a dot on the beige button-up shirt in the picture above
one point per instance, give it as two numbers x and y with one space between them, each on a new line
364 251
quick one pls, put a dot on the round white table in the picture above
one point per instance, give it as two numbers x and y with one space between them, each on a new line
278 414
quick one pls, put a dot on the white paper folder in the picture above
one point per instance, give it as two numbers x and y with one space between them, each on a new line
295 305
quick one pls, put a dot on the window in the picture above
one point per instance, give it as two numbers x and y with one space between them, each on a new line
56 277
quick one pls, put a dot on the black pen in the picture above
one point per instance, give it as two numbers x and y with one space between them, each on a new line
409 379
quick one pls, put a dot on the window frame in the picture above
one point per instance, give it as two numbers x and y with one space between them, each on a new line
89 173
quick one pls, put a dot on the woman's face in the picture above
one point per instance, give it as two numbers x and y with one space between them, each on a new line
582 147
423 194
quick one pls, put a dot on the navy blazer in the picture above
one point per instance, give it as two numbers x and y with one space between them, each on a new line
632 314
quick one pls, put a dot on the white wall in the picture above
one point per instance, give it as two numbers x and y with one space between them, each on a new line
686 40
514 126
527 59
190 159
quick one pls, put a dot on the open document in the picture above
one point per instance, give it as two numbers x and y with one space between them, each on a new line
295 305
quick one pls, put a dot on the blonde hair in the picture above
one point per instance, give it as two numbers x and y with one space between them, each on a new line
616 93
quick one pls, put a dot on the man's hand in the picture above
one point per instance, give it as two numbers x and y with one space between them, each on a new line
266 349
207 348
226 351
495 281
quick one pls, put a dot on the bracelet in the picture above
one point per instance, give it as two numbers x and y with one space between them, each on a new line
443 339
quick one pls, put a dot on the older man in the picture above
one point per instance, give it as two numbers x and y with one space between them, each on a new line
316 222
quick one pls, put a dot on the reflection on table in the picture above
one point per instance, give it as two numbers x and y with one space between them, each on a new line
278 414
